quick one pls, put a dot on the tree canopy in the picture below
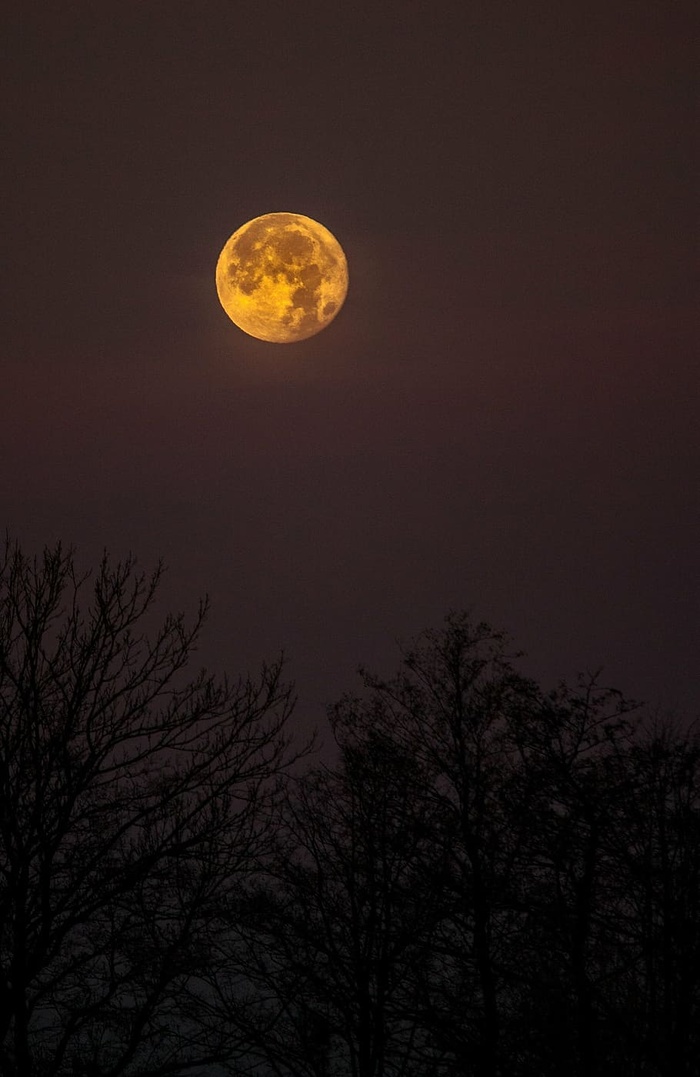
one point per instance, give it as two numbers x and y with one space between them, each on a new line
132 796
491 878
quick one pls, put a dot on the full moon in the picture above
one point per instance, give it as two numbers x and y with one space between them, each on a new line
282 277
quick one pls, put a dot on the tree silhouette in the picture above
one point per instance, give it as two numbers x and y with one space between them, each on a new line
131 799
340 921
452 707
491 880
656 850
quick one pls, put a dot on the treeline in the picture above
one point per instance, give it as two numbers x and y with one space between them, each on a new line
491 880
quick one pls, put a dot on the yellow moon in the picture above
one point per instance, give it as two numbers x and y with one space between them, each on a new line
282 277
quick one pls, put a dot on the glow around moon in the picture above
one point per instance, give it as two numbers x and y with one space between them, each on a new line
282 277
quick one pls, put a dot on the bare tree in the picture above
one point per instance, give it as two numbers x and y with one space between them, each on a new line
491 880
655 1001
132 798
452 707
520 805
573 757
384 923
342 921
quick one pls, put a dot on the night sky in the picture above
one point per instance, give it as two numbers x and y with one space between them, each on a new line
504 415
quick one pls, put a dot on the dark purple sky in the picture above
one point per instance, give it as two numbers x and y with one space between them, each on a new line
503 417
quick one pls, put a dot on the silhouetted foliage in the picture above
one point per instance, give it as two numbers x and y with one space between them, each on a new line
491 880
131 799
343 918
